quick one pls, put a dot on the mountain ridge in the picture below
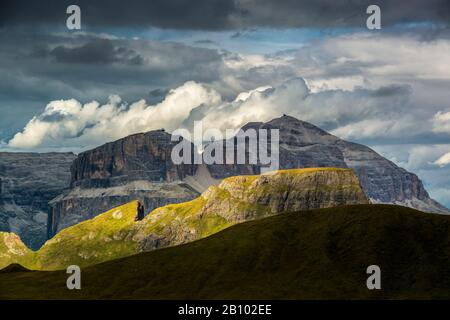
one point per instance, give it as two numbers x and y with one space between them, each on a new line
116 234
138 167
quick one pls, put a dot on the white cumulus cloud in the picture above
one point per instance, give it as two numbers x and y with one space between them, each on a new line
441 122
444 160
68 123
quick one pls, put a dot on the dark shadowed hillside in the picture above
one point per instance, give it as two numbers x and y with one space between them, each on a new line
318 254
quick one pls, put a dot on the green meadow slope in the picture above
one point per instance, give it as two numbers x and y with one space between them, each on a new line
317 254
115 234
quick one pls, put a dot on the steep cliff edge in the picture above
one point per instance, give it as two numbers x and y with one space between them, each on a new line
142 156
135 167
116 234
28 181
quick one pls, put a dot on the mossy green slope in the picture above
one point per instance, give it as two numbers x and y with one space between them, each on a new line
115 234
317 254
105 237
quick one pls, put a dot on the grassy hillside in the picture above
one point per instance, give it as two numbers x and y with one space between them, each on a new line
116 234
105 237
317 254
13 250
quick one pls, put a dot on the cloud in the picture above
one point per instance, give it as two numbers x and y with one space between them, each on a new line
362 87
100 51
441 122
375 56
356 113
68 123
224 14
443 161
39 68
178 14
420 160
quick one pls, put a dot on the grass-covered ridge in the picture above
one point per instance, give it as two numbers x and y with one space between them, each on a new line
316 254
116 234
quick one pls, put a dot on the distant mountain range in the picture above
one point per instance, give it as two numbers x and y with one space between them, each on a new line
139 167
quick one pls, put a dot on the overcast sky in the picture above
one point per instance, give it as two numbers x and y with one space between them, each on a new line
141 65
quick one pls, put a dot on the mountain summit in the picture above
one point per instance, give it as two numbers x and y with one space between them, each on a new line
303 145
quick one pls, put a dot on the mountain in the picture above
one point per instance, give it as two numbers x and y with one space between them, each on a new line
116 234
318 254
28 181
303 145
140 167
136 167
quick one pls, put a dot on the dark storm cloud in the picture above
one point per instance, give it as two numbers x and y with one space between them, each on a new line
180 14
46 68
392 90
224 14
101 51
332 13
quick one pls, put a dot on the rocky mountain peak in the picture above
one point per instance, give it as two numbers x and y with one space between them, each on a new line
303 145
142 156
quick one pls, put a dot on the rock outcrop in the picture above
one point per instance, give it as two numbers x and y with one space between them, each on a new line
135 167
28 181
142 156
303 145
13 250
116 234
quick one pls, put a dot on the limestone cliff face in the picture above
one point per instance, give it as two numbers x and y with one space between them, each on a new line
136 167
28 181
116 234
143 156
